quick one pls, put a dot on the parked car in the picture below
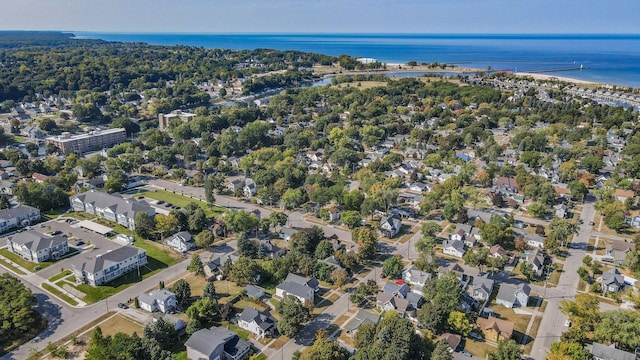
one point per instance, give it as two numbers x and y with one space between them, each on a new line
567 323
57 232
466 353
122 306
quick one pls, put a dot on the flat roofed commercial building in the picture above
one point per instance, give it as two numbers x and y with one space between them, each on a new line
93 141
164 119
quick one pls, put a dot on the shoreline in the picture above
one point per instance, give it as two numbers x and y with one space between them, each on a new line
547 77
403 68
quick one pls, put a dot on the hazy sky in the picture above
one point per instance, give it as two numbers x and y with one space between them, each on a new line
371 16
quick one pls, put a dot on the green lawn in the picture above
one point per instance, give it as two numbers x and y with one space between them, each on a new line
98 293
59 294
154 250
60 275
28 265
244 334
53 214
182 201
182 355
11 267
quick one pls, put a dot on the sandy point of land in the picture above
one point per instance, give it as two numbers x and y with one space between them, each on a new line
553 78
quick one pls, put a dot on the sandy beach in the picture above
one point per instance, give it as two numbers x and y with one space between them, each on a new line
538 76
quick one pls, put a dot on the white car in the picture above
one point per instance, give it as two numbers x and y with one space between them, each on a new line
567 323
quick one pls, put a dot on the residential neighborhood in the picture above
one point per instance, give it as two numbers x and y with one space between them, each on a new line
473 213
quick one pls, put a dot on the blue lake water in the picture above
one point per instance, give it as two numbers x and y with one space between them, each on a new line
613 59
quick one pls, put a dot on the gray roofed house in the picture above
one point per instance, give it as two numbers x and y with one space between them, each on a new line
216 344
391 225
213 267
533 240
158 300
619 250
481 288
254 291
388 302
396 289
100 269
181 242
286 233
453 248
513 295
19 216
362 317
111 207
309 282
475 214
537 259
416 278
603 352
259 323
415 300
304 293
612 281
36 247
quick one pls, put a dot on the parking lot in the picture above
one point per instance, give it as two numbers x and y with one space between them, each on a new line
99 242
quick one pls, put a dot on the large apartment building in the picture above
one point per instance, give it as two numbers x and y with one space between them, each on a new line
36 247
164 119
100 269
111 207
93 141
19 216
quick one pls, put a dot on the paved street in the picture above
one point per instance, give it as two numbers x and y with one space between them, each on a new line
64 319
552 324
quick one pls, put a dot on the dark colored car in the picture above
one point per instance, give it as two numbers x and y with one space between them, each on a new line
57 232
122 306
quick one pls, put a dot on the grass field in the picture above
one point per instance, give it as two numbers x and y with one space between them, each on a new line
182 201
59 294
362 84
28 265
121 324
520 321
62 274
197 283
227 289
97 293
479 348
11 267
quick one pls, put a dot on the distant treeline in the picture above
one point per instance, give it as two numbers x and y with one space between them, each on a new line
55 63
19 39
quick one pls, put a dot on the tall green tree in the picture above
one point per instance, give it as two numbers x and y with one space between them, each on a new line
293 314
196 266
325 349
507 350
17 313
182 290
